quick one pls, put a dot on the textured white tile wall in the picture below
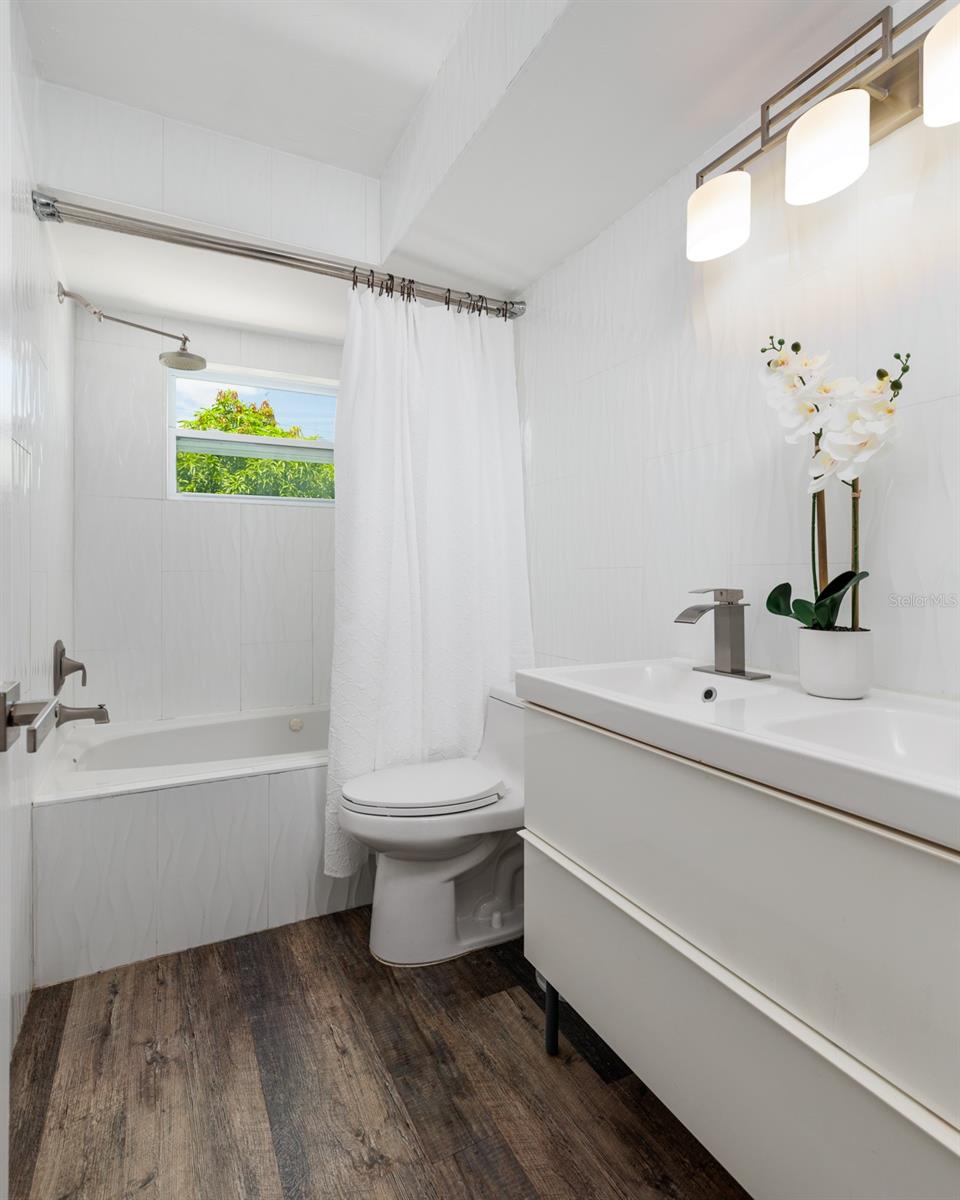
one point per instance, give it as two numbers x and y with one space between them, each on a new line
110 152
653 464
213 856
187 607
121 878
298 888
36 486
96 884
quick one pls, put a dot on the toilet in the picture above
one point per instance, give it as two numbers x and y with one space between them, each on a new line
449 862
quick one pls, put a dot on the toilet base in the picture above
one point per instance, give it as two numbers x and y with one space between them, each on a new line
429 911
481 944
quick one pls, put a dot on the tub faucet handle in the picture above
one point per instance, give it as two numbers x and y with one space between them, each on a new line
64 666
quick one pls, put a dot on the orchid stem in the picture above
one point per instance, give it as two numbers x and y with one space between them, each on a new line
855 552
821 574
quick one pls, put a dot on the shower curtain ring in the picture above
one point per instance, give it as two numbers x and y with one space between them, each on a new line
446 299
481 305
460 300
354 278
371 280
412 290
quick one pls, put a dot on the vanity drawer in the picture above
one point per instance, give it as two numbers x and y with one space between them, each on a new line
851 927
787 1113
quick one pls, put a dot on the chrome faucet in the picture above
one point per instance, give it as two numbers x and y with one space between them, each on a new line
97 714
728 640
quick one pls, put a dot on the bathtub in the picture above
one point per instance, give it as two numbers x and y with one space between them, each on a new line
156 836
102 760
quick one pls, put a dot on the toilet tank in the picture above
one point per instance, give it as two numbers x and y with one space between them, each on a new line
502 745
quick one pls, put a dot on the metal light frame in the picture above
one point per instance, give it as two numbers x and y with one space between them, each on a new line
894 81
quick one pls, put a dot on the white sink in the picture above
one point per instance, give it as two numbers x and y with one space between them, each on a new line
661 682
891 757
902 739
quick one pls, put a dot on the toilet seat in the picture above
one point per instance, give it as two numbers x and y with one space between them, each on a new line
431 789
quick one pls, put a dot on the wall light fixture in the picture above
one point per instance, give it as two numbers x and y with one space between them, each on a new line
941 72
829 116
828 148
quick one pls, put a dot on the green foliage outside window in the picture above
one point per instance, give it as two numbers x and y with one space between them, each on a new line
229 475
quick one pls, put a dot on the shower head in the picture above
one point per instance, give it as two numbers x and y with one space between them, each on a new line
183 359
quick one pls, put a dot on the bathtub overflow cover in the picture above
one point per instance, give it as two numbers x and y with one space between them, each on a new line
709 694
295 724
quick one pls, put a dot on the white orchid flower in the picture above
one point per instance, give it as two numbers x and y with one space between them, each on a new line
788 389
811 366
853 449
792 372
822 467
801 416
829 391
778 364
876 408
809 408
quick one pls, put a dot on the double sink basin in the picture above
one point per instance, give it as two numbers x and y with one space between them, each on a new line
890 758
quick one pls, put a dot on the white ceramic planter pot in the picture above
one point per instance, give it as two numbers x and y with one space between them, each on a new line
836 663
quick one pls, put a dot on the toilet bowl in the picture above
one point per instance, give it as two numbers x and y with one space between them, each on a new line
449 862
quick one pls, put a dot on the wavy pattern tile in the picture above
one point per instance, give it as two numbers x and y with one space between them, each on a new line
96 884
121 878
36 497
212 850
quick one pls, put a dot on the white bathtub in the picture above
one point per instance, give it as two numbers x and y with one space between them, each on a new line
155 836
103 760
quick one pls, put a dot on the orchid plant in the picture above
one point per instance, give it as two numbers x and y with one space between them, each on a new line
850 424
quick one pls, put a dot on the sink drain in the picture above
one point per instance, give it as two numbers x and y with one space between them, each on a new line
709 694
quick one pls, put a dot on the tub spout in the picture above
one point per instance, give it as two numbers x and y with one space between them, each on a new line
98 714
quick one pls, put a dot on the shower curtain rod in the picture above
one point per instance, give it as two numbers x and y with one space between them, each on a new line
50 208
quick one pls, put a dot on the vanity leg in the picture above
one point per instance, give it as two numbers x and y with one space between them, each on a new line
551 1030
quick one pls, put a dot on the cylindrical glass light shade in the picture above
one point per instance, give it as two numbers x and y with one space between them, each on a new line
718 216
828 148
941 71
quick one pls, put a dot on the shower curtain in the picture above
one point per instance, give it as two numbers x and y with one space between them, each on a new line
431 591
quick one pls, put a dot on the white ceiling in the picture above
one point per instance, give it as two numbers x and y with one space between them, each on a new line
335 81
617 99
135 274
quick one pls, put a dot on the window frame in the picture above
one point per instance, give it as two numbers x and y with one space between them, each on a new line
221 373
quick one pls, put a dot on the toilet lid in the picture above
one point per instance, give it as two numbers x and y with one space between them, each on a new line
425 789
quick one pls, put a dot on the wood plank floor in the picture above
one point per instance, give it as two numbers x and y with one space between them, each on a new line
289 1065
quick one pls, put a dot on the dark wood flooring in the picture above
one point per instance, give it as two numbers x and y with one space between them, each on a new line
289 1065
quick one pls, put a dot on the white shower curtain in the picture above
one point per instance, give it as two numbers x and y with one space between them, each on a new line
432 601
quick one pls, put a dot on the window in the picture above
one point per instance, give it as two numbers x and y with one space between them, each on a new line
245 433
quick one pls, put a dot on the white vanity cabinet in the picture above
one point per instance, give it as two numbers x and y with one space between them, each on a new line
784 976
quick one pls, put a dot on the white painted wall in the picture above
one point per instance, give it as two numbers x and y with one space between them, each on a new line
112 154
36 498
653 463
496 40
190 606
